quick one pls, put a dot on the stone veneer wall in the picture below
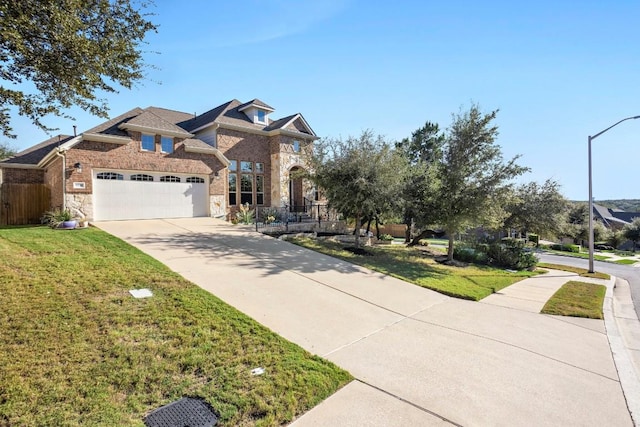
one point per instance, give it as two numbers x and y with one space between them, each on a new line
283 160
80 205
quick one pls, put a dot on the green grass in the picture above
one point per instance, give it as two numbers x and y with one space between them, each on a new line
626 261
577 255
77 349
577 299
412 265
579 271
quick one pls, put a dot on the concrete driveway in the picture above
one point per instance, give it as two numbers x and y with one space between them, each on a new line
419 358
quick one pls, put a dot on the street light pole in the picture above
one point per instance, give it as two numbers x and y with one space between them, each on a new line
591 138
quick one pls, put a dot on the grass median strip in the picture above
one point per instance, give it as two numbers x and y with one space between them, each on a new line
583 272
577 299
418 267
77 349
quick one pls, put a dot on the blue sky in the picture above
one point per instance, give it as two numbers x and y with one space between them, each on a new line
558 71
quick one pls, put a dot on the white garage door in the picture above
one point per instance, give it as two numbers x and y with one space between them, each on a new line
144 195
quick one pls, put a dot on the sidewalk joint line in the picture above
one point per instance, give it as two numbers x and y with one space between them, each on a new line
514 346
423 409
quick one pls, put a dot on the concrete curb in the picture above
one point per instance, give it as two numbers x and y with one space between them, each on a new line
627 371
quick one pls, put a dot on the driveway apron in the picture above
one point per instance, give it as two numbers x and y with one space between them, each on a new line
419 358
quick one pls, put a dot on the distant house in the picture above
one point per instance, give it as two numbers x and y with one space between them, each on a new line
160 163
614 219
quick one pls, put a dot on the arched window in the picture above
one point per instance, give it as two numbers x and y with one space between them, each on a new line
141 177
195 180
169 178
110 175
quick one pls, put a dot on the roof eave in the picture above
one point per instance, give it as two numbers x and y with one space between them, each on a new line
164 132
19 166
202 150
60 149
101 137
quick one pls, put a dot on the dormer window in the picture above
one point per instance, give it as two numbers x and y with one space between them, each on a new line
256 111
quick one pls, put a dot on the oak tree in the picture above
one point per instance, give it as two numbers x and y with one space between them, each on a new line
55 54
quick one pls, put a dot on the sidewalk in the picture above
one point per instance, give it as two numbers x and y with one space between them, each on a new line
620 321
419 357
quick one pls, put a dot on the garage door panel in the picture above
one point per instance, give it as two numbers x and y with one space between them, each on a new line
122 199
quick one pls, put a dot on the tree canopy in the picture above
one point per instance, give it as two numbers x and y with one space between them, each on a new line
536 208
632 232
472 175
55 54
6 151
361 177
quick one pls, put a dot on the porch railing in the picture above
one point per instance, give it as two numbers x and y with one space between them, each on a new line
294 217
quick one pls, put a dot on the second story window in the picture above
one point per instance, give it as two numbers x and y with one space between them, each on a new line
148 143
261 116
166 144
296 146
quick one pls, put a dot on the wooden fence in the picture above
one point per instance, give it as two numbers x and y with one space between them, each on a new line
23 203
396 230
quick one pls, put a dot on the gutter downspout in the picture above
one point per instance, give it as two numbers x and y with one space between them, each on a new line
61 153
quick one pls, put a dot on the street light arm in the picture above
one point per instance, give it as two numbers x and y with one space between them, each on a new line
591 270
614 125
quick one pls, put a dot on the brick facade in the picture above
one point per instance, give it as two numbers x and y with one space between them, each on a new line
101 155
264 144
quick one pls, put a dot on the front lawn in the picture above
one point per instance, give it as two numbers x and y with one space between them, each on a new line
77 349
417 266
577 299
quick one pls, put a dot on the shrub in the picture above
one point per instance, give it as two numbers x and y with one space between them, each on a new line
269 215
245 215
386 237
566 248
534 238
512 255
470 254
56 217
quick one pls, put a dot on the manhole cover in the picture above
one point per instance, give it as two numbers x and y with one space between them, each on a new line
186 412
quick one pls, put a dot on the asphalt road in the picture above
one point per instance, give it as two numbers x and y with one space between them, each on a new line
627 272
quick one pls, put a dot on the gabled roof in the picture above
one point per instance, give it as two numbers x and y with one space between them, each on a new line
33 155
207 118
614 215
230 114
172 116
285 122
255 103
147 121
111 127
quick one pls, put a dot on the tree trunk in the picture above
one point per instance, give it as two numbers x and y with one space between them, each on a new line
450 249
358 225
377 228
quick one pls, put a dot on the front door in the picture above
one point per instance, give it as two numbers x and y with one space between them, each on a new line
296 200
